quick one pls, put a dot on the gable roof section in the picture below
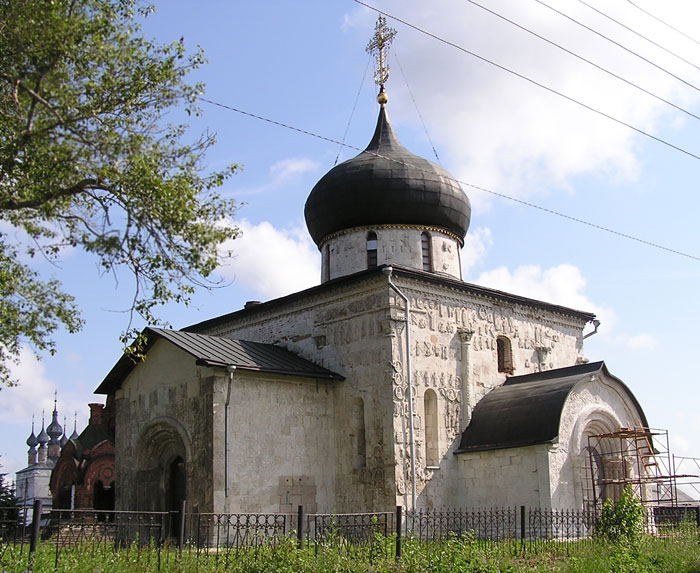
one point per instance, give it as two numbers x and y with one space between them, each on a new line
218 351
377 272
526 410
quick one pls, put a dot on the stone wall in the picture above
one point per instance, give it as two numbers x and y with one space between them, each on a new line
281 444
346 330
596 406
33 483
346 253
164 411
357 330
458 369
509 477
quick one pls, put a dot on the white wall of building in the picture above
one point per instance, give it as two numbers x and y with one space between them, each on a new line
346 253
281 444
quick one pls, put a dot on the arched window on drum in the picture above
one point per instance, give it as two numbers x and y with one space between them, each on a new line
426 251
371 249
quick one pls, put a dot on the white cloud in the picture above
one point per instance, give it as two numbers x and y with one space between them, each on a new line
504 133
476 244
282 173
642 342
286 168
679 444
35 392
563 285
270 261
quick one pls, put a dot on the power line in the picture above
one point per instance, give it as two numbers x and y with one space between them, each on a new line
410 91
664 23
354 107
471 185
626 49
575 55
638 34
530 80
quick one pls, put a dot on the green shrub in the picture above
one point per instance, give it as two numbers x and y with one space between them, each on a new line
621 521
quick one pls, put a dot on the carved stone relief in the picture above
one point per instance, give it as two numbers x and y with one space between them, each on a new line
436 380
486 322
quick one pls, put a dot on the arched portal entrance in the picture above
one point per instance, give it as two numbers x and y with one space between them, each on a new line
161 476
598 462
175 490
103 496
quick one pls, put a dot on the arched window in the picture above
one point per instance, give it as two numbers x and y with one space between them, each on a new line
505 355
327 263
426 252
358 434
432 452
371 249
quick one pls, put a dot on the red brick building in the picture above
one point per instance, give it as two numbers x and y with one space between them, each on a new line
83 477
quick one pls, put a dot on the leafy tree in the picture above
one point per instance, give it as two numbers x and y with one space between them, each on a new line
623 520
8 503
87 160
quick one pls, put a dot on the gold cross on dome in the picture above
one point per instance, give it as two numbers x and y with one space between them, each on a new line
379 46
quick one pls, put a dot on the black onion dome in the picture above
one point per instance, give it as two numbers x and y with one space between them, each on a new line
43 438
386 185
32 441
54 430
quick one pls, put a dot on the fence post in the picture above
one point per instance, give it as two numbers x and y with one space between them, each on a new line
399 526
697 516
300 527
522 527
36 525
181 528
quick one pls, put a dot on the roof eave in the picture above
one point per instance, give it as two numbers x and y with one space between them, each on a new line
300 374
492 447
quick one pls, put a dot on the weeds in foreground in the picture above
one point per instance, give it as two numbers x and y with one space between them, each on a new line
679 554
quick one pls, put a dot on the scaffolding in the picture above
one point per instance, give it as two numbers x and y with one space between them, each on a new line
688 483
634 457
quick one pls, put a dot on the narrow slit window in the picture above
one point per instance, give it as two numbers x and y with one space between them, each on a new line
504 355
426 253
327 263
359 437
371 249
432 452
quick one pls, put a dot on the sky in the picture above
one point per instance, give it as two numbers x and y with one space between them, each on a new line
563 148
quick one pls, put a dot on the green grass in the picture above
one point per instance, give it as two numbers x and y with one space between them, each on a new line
679 554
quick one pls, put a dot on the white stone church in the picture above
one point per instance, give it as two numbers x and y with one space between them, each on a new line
306 400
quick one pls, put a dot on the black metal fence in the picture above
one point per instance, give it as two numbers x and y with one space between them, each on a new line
222 536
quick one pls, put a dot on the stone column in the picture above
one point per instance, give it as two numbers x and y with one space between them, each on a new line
465 337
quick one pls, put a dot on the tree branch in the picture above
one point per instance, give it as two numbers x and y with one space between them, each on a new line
80 187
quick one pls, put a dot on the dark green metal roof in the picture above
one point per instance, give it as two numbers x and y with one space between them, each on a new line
526 410
219 351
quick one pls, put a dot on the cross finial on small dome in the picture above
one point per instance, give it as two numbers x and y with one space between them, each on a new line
43 437
74 435
379 46
32 442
